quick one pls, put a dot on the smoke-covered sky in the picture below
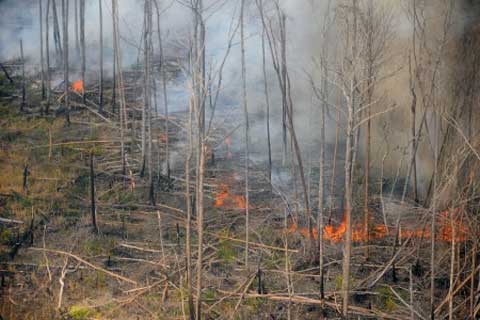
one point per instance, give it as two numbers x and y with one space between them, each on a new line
19 19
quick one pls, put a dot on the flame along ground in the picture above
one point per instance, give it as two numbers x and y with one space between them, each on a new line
447 222
446 231
225 199
77 86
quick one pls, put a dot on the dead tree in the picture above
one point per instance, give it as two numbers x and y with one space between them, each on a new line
56 33
163 74
119 85
93 206
199 94
82 46
77 37
351 56
247 133
24 90
42 63
267 106
188 200
47 51
280 66
65 60
100 90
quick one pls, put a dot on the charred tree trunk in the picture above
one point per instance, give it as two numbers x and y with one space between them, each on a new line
24 90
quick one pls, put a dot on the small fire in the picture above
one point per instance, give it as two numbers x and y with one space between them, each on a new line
380 231
77 86
225 199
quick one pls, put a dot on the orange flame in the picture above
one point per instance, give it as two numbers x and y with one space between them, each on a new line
359 234
77 86
225 199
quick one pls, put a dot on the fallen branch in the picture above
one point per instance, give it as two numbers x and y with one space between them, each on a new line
112 274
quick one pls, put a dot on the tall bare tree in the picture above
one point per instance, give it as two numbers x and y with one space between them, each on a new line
100 22
247 128
42 62
66 68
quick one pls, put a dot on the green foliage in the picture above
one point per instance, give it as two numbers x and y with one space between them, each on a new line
275 260
5 236
209 295
386 299
226 251
80 313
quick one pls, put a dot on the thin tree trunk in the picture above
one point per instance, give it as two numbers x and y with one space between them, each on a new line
432 230
92 193
119 84
321 196
47 51
82 44
247 147
65 60
42 62
163 74
267 106
77 38
24 90
200 211
188 199
56 33
100 93
347 247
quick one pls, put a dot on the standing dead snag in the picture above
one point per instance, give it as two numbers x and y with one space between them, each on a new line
24 93
245 110
163 74
82 45
47 51
42 64
56 33
92 193
65 60
100 90
350 87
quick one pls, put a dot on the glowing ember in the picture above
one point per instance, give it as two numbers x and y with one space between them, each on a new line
77 86
225 199
336 235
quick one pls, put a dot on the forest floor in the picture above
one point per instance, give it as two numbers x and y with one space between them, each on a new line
54 266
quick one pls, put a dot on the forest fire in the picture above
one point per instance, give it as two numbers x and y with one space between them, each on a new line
77 86
446 231
225 199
